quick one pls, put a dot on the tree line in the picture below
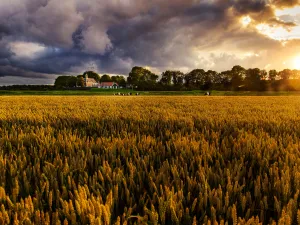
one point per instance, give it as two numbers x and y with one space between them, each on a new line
238 78
27 88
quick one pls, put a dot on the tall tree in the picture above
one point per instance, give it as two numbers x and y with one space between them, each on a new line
142 78
253 78
238 74
210 78
170 77
65 81
105 78
166 78
177 78
285 74
72 81
193 79
61 81
273 75
119 79
263 75
225 78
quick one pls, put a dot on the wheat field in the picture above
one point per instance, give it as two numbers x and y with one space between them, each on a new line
149 160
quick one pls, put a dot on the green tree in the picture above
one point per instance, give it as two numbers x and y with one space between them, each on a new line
263 74
65 81
119 79
105 78
92 74
80 81
273 75
172 77
210 78
285 74
194 78
135 75
238 75
166 78
60 81
72 81
253 78
142 78
177 78
225 77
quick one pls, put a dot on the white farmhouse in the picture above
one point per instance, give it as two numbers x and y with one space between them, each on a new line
108 85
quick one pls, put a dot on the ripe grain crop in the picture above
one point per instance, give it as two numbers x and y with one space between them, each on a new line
149 160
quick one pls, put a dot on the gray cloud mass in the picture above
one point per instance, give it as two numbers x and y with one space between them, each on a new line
45 38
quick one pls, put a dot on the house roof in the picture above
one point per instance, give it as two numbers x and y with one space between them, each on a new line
108 83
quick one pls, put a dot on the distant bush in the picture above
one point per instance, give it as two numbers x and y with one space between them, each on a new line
28 87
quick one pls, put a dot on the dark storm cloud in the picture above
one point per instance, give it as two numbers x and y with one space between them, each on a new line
5 52
4 31
116 35
8 70
262 12
285 3
249 6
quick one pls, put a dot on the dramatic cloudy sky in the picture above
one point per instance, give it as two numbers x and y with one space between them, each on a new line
40 39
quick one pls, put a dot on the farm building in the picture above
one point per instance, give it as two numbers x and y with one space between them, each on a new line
112 85
90 82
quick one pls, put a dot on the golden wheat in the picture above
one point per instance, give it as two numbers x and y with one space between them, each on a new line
149 160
